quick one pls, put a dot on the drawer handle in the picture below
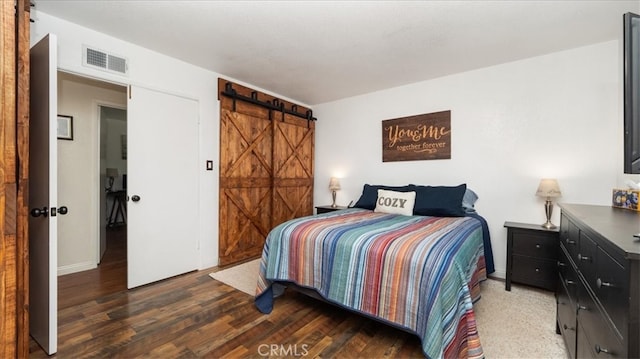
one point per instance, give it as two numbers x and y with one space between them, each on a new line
581 307
537 270
601 284
569 282
561 264
538 246
599 349
570 241
568 328
583 258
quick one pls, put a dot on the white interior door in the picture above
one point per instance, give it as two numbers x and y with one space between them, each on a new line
43 187
162 176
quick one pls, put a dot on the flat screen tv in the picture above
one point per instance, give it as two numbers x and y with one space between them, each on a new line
631 93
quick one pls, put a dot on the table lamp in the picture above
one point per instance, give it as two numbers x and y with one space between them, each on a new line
548 188
334 185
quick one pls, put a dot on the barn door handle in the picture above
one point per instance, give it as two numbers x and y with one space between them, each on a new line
37 212
135 198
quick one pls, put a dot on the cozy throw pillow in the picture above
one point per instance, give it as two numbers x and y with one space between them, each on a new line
440 201
370 194
395 202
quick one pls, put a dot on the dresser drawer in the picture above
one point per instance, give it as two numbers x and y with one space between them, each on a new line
612 289
586 258
569 236
568 275
535 271
603 340
566 315
587 349
536 244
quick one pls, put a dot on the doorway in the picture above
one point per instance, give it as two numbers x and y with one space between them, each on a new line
162 178
113 164
159 243
98 112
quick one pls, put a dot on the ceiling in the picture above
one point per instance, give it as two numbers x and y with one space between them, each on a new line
319 51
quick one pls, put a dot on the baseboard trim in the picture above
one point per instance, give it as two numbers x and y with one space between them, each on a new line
498 275
76 267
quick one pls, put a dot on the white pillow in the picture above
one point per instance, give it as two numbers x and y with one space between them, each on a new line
395 202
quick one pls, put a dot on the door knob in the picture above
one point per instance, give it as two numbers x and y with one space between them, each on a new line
135 198
63 210
37 212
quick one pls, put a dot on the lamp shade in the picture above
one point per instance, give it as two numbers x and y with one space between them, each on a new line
112 172
548 187
334 184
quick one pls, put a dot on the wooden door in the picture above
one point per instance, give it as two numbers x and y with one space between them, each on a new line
293 146
246 141
14 181
266 168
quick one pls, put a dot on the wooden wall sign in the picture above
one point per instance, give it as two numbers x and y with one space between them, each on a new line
420 137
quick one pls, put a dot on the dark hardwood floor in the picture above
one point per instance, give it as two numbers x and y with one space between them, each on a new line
192 316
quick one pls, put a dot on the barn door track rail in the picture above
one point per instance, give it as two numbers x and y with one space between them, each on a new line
276 105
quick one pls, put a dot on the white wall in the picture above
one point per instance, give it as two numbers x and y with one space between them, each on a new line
558 116
153 70
77 161
150 69
156 71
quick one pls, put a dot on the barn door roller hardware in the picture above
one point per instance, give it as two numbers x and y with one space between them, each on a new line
276 105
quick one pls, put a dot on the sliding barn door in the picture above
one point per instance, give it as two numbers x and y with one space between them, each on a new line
246 138
293 143
266 172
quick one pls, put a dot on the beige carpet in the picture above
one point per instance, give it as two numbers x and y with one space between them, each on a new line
242 277
515 324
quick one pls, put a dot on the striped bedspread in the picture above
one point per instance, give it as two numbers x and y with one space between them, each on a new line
418 273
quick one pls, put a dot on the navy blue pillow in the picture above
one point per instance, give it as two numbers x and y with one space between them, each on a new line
440 201
370 195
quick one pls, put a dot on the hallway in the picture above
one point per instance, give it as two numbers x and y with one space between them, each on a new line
110 276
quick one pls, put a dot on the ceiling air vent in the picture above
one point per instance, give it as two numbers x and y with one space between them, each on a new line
104 61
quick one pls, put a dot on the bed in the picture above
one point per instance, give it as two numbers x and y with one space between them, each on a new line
420 273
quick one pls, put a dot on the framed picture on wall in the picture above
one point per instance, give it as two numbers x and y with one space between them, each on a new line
65 127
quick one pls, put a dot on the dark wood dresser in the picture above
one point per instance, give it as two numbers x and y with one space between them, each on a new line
598 295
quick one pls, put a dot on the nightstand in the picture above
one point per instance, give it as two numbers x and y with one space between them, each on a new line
328 208
532 255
